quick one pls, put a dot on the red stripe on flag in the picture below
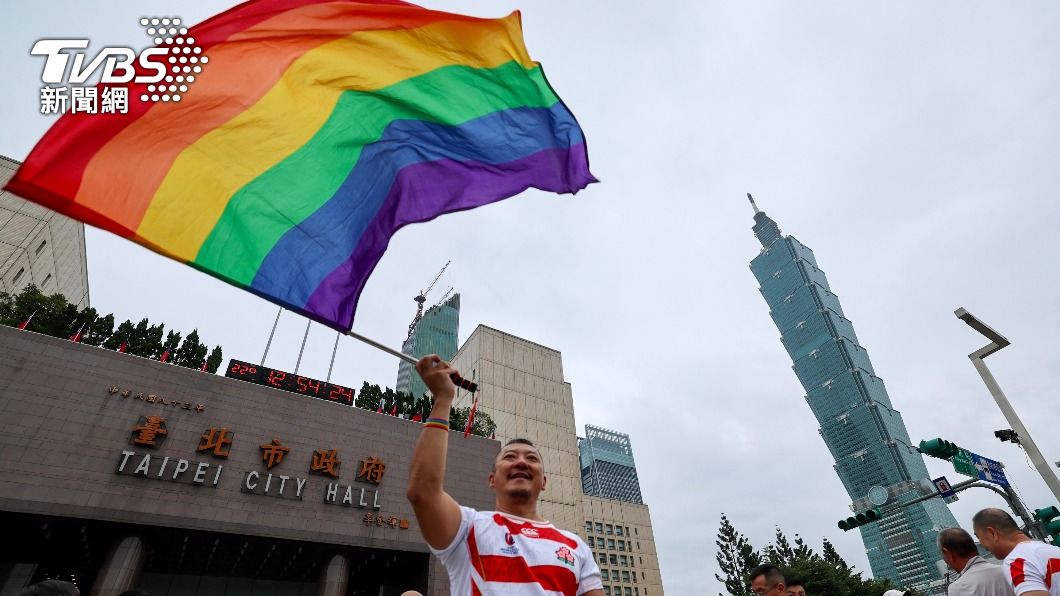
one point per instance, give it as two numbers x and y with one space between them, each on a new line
1016 569
540 532
470 419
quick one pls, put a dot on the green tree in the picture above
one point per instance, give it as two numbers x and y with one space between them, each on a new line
821 574
170 345
52 315
97 329
122 334
736 557
368 397
191 353
483 426
213 362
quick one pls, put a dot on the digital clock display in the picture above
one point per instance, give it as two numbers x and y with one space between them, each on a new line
262 375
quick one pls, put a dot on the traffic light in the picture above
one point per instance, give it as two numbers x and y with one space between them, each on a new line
939 448
1007 435
1050 517
865 517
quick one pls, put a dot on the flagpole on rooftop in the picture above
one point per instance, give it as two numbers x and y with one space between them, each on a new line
333 352
302 349
273 332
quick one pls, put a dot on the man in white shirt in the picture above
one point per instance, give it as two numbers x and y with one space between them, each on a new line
510 551
1030 565
978 577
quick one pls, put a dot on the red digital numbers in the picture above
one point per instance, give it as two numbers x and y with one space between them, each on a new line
243 371
307 385
341 394
276 378
263 375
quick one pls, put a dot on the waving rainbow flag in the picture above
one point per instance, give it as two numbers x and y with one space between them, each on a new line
316 131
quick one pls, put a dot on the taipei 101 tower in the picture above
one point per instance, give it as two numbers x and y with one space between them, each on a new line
865 434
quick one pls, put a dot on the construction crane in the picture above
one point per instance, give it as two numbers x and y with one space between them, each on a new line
444 297
422 298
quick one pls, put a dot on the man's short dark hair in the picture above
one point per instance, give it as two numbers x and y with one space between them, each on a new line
790 583
520 441
997 519
958 542
50 587
773 574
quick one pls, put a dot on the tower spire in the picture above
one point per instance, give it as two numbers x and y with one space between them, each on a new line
753 205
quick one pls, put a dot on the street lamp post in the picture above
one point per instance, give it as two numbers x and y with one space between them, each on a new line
998 341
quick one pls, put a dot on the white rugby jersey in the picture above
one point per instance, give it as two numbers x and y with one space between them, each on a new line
1032 565
497 554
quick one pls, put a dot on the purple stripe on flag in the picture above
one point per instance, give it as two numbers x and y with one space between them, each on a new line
424 191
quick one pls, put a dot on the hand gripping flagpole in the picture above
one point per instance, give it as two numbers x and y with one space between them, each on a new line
457 379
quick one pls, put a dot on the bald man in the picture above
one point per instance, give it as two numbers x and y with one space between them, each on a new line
1030 565
978 577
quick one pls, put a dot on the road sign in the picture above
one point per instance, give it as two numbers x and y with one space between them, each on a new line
963 464
989 470
944 488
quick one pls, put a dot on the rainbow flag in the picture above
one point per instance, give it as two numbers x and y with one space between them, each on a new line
316 130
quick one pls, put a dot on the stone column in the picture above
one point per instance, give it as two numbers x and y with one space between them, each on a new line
334 576
122 568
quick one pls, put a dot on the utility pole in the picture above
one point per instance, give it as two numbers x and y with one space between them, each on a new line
998 341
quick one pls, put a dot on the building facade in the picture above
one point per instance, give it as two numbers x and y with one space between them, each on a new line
38 246
435 333
607 465
621 536
121 472
521 386
874 457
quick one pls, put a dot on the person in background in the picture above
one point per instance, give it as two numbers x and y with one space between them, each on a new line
978 577
767 580
50 587
795 588
1030 565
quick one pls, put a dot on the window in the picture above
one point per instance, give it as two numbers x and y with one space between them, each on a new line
638 545
611 544
625 576
610 529
618 530
631 563
603 558
641 560
641 576
634 577
622 545
599 528
18 275
47 278
629 591
588 527
613 559
607 590
41 246
627 530
622 561
605 575
636 532
590 541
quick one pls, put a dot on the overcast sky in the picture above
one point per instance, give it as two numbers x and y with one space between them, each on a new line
912 145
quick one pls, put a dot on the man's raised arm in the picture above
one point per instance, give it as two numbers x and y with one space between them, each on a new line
437 513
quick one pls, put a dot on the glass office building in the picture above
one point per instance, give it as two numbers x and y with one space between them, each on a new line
608 469
436 333
873 454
